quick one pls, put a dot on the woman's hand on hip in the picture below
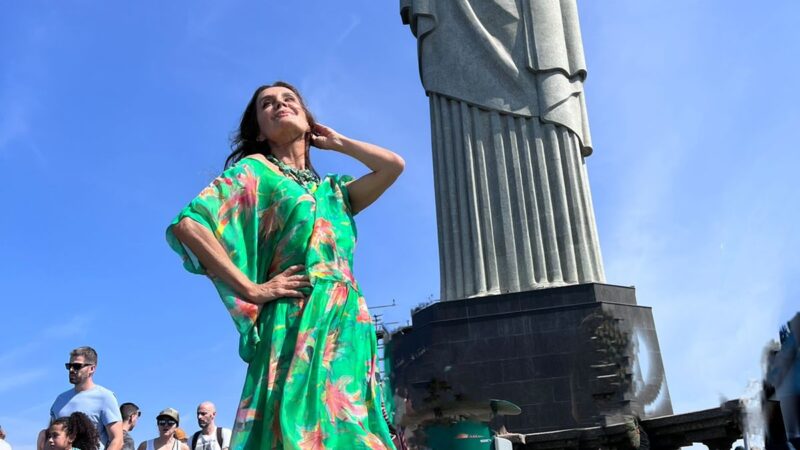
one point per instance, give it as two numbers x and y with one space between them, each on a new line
286 284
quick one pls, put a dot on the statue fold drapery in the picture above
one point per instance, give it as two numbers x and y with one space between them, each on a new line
509 131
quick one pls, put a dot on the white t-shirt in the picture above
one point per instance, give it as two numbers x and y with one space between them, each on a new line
209 442
4 445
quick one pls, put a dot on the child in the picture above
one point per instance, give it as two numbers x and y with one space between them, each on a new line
73 432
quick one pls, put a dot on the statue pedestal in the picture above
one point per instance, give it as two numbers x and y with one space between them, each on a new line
572 356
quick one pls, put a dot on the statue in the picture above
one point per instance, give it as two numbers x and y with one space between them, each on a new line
510 134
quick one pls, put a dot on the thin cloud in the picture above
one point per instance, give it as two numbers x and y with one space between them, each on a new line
19 107
21 80
203 21
355 21
714 305
18 352
38 408
14 124
21 379
76 326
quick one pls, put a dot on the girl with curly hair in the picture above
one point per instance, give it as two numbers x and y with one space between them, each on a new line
75 431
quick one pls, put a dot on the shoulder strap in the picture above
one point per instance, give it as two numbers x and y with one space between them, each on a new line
219 437
194 440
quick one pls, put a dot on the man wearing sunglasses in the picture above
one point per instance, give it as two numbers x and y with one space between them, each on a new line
97 402
130 417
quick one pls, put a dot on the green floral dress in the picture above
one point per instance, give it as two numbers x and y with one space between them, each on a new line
311 380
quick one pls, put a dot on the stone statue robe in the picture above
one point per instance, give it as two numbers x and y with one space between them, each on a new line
510 131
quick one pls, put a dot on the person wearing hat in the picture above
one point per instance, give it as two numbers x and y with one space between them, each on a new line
167 422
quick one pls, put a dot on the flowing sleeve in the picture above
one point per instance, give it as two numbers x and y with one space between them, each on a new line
228 208
339 184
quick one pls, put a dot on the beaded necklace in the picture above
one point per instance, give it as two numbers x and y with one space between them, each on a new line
301 176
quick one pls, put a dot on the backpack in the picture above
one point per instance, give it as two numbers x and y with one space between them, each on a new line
197 435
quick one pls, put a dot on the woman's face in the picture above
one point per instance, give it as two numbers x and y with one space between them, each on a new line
166 426
57 438
281 117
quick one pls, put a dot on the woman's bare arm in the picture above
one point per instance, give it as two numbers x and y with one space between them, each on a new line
212 255
386 165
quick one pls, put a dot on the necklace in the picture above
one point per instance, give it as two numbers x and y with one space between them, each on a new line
301 176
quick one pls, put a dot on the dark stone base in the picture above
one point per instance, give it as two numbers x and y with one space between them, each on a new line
573 356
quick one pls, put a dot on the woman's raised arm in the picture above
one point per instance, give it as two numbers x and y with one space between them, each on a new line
386 165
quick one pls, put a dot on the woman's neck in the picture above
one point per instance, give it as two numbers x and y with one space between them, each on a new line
292 153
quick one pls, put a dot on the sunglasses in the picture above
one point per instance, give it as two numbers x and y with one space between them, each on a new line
76 366
166 422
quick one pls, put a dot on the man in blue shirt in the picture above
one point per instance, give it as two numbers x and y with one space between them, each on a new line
97 402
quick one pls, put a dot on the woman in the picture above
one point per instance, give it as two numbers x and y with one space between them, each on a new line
72 432
278 242
167 422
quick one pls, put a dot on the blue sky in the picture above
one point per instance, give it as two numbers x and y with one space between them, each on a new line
113 116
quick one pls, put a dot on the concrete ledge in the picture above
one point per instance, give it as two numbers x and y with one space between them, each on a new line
717 428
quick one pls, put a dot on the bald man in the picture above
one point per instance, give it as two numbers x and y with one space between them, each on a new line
210 436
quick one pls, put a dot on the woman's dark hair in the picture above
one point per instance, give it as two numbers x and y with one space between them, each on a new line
245 140
82 431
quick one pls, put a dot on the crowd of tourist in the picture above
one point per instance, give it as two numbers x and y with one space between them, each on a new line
88 417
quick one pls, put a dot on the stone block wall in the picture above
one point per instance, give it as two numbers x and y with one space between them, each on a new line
572 356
